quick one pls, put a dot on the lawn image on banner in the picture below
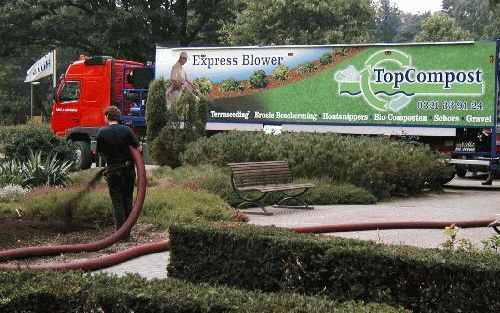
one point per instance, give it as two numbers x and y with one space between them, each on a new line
449 84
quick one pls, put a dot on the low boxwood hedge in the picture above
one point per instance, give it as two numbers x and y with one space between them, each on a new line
273 259
77 292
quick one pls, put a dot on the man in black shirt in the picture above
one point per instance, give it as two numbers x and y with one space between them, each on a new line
113 141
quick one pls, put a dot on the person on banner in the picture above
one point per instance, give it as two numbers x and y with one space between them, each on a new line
113 142
180 82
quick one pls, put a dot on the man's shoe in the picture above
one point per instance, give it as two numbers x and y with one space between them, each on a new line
487 183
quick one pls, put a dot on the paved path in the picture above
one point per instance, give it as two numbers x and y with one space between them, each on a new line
452 204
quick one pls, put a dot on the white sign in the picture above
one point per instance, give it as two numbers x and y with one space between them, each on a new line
272 129
43 67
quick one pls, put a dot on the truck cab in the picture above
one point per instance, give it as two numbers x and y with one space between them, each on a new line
86 89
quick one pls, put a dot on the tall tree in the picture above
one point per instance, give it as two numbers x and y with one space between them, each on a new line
474 16
441 27
122 28
411 25
388 21
300 22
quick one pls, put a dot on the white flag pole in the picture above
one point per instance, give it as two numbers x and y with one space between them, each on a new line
54 73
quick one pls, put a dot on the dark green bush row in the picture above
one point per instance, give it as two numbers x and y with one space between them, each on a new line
218 181
273 259
42 292
374 163
16 142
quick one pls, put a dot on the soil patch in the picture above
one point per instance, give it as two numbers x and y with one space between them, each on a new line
18 233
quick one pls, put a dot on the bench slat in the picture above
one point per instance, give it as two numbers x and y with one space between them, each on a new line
276 187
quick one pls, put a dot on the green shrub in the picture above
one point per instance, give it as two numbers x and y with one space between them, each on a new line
281 73
156 108
16 141
258 79
185 122
341 51
23 291
218 181
272 259
381 166
306 67
203 84
162 206
326 58
231 85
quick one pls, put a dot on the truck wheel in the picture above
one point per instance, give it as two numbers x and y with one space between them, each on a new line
461 172
83 155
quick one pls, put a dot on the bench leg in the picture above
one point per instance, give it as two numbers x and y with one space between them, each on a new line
254 204
286 197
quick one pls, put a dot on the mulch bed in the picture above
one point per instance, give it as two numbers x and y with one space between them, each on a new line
18 233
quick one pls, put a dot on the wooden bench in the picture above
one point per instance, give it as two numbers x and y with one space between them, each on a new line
265 178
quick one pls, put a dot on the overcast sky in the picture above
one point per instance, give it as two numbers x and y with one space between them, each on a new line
413 6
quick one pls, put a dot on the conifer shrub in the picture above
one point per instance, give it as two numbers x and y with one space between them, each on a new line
231 85
156 108
281 73
184 122
258 79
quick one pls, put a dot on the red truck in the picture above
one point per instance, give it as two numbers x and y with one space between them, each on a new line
86 89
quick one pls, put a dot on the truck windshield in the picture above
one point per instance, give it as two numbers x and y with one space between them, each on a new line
70 92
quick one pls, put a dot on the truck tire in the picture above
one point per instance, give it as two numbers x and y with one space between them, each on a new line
83 155
461 171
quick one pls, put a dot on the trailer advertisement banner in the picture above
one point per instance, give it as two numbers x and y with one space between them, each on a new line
440 85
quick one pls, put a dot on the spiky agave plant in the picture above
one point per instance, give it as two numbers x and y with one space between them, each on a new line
39 171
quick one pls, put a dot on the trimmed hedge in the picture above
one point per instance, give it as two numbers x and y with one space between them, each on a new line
379 165
273 259
41 292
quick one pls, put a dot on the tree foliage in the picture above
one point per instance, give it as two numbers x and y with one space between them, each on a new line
300 22
477 17
441 27
388 20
